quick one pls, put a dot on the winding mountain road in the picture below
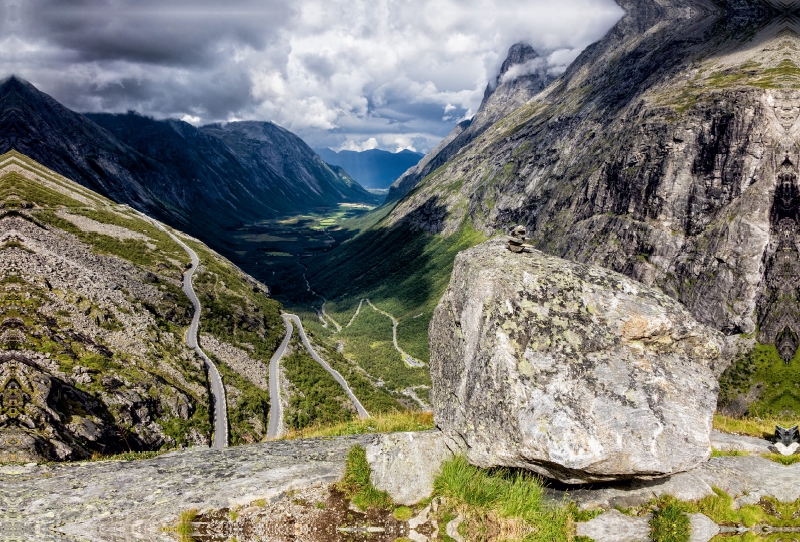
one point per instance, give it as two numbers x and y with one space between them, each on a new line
358 311
217 389
275 428
276 414
321 313
407 358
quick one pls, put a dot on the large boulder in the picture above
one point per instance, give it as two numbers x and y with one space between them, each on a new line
572 371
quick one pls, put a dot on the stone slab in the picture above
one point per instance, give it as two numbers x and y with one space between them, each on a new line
703 528
121 501
746 478
726 442
406 464
614 526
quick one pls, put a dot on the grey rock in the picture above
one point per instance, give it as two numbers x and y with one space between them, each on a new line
452 529
575 372
120 501
726 442
747 479
687 486
406 464
614 526
703 528
420 519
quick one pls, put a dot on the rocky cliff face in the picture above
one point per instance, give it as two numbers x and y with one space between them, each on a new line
191 177
667 152
92 318
573 371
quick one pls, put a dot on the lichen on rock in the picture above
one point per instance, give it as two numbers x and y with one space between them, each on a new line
575 372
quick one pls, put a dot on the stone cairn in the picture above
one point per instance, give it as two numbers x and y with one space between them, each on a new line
517 242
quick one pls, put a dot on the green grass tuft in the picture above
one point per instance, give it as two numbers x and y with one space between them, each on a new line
507 494
782 459
760 427
393 422
184 528
670 522
728 453
357 486
403 513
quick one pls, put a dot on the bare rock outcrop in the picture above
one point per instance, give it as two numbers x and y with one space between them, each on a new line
572 371
405 465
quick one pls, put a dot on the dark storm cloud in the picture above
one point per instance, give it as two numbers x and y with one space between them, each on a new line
341 73
175 33
320 65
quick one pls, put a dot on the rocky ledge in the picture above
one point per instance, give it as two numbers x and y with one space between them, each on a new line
116 501
119 501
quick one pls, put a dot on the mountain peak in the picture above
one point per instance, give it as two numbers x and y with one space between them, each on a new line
15 84
519 53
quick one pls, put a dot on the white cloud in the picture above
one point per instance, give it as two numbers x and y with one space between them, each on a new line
337 72
367 145
191 120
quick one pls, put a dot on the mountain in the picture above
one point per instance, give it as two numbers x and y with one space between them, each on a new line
523 75
373 168
94 354
668 151
204 180
92 320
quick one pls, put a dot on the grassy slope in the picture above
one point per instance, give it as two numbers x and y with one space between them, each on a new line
235 309
171 314
402 270
369 343
315 397
773 383
375 398
393 422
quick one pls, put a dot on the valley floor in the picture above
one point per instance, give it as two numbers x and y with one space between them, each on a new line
380 345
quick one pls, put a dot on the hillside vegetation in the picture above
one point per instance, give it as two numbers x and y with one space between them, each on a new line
91 303
404 271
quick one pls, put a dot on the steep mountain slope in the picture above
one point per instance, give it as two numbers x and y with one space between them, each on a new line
374 168
183 175
259 160
310 181
668 152
92 319
523 75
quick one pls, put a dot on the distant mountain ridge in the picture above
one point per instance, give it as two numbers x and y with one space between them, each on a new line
373 168
200 179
